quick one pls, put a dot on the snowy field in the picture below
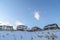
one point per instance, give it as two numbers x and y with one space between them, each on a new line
24 35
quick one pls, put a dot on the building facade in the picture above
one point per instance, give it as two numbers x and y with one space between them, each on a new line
51 26
21 27
6 27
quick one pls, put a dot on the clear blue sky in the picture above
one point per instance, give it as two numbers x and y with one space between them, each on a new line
23 10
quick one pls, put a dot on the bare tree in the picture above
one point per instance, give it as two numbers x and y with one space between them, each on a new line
53 36
3 36
31 38
40 36
48 36
14 37
21 37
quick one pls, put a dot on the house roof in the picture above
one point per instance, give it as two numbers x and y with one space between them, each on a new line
36 28
51 25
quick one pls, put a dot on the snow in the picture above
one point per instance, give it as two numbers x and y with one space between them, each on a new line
24 35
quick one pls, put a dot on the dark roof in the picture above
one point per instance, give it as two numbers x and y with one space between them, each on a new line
33 29
51 26
36 29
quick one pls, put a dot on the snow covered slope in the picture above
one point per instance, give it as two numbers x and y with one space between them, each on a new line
24 35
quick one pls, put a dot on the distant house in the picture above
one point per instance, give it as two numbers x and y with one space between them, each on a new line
21 27
51 26
6 27
36 29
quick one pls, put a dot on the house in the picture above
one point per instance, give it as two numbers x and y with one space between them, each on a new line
21 27
6 27
51 26
36 29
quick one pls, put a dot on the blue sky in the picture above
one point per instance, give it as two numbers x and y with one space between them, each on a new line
22 11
